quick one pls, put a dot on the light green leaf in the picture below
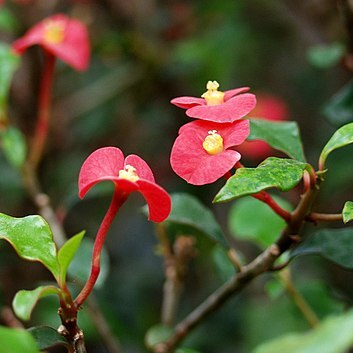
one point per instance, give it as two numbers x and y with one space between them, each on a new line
80 266
283 174
333 335
342 137
9 62
157 334
186 350
347 212
188 210
47 337
17 341
281 135
25 300
326 56
67 253
14 146
333 244
32 239
251 219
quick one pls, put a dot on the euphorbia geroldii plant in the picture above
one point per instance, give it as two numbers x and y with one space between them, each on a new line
128 174
60 37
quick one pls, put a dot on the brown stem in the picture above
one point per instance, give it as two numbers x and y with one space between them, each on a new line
326 217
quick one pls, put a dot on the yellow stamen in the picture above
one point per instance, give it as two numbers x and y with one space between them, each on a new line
54 32
212 96
213 143
129 173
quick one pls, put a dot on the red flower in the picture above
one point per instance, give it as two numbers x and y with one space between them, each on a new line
222 107
202 152
129 174
61 36
270 108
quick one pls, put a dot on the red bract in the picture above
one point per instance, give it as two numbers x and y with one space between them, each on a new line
129 174
270 108
202 152
61 36
217 106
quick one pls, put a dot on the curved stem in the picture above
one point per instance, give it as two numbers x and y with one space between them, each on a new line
118 199
42 127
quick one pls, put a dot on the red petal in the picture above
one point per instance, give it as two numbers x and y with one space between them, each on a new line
233 92
234 109
158 200
74 49
192 163
187 102
102 164
142 169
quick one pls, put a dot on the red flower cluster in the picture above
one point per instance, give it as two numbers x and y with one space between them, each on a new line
60 36
202 153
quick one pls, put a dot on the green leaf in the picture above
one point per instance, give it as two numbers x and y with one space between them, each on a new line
17 341
187 210
157 334
281 135
25 300
80 266
283 174
8 21
333 335
339 109
9 62
347 212
326 56
47 337
342 137
32 239
253 220
14 146
334 244
67 253
186 350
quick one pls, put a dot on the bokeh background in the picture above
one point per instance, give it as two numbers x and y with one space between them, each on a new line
144 53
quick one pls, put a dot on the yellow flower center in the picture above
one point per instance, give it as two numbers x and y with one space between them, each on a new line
54 32
213 143
129 173
212 96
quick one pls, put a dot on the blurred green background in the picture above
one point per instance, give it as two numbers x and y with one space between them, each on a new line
144 53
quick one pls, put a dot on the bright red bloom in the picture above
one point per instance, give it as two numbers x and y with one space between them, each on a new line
221 107
270 108
61 36
128 175
202 152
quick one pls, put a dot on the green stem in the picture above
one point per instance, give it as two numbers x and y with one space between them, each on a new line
44 105
118 199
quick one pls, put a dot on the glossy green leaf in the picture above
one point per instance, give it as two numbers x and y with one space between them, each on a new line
342 137
17 341
347 212
157 334
326 56
281 135
253 220
188 210
333 335
14 146
25 300
339 109
67 253
334 244
47 337
32 239
80 266
9 62
186 350
283 174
